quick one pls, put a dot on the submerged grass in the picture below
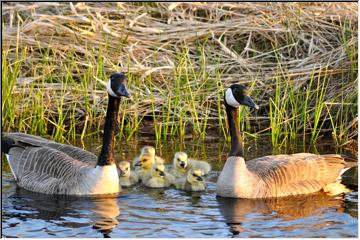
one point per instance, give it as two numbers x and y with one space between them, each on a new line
179 57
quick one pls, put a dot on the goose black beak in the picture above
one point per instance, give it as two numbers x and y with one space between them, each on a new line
121 90
247 101
199 179
182 164
138 164
162 174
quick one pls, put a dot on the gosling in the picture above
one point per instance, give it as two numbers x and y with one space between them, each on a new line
193 181
150 151
181 165
159 178
143 167
127 177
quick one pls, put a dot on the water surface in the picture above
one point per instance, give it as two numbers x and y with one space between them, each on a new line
141 212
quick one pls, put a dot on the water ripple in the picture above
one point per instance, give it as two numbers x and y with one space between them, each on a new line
152 213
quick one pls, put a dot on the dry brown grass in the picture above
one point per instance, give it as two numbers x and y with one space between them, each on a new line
241 42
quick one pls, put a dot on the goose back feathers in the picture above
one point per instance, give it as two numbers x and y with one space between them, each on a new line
25 140
279 175
53 168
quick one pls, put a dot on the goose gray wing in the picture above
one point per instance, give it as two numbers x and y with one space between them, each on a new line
295 174
74 152
46 170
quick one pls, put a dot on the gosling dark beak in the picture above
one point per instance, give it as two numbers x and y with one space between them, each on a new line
121 90
199 179
247 101
182 164
138 164
162 174
121 172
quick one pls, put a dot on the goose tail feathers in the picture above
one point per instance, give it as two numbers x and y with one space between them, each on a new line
6 143
341 173
335 188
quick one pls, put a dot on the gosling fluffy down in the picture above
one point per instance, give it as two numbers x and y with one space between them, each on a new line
182 164
150 151
159 178
193 181
127 177
143 167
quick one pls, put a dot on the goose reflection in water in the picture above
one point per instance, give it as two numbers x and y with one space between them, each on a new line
106 211
102 211
238 211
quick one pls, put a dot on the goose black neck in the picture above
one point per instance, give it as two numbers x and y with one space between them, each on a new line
106 156
236 140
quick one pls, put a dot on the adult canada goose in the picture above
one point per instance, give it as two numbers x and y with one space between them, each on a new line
182 164
270 176
127 177
44 166
193 181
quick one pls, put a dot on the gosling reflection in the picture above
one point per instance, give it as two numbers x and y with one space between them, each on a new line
101 211
237 211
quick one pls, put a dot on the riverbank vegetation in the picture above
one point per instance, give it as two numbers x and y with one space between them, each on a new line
299 60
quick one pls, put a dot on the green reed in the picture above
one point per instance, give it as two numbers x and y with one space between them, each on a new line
67 98
294 108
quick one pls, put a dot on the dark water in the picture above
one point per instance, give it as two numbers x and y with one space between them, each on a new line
141 212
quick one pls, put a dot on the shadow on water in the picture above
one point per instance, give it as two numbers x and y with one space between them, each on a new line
101 211
236 211
173 213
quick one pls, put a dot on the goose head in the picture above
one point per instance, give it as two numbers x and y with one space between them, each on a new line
145 161
237 95
116 86
180 160
124 169
158 170
195 176
148 150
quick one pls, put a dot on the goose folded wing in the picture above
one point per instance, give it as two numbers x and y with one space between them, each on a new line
45 169
297 173
74 152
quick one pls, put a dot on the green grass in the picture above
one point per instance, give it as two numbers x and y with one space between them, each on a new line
292 111
53 87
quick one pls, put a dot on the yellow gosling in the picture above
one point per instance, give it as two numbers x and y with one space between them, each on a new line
182 164
159 179
143 167
193 181
127 177
150 151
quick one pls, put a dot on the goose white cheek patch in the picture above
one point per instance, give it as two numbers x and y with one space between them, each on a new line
230 99
110 91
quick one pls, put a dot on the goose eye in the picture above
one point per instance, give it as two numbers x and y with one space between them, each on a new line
157 170
179 159
194 175
127 169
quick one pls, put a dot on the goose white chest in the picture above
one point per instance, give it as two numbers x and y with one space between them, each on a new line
235 180
101 180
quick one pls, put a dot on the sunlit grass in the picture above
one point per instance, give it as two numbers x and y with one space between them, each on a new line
305 83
